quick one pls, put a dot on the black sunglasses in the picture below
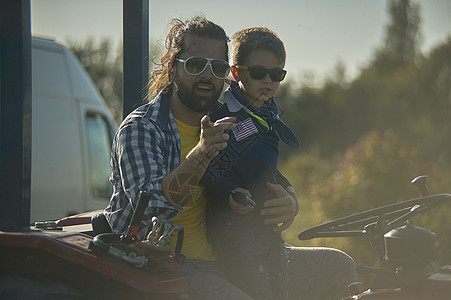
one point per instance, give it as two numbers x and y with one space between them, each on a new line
258 73
195 65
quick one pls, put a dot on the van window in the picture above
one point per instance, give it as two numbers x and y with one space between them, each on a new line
99 140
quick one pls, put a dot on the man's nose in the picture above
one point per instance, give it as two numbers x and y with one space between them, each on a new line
208 72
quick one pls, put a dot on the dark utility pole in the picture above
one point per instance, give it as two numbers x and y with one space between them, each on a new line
15 114
136 53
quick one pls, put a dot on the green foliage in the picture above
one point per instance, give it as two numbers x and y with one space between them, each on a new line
104 65
374 172
105 68
364 141
402 37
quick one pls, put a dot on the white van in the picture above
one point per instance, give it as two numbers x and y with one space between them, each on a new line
72 131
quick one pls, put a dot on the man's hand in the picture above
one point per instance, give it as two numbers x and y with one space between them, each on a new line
180 184
212 137
282 209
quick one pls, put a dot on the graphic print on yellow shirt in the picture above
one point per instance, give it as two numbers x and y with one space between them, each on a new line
192 217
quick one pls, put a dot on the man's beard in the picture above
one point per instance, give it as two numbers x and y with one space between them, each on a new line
195 102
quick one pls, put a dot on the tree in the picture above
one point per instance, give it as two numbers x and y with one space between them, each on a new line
104 66
402 37
376 171
393 122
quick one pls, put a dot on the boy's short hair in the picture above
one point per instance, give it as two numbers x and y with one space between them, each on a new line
246 41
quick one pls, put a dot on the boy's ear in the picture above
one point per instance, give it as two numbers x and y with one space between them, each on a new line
235 74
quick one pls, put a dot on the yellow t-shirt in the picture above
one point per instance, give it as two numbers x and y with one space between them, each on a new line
192 217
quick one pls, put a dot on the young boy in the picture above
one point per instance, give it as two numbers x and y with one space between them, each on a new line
253 253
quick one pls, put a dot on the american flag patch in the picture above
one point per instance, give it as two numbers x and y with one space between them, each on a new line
244 129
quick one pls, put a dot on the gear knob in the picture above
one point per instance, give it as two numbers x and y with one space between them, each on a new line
420 183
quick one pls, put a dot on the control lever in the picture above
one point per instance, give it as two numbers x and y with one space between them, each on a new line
132 231
420 183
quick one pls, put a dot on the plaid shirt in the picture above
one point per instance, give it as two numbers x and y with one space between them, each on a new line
145 149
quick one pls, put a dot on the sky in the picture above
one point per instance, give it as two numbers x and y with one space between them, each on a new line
317 33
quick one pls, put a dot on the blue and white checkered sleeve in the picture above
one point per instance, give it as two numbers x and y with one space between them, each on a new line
143 167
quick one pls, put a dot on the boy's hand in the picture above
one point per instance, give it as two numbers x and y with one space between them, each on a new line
238 207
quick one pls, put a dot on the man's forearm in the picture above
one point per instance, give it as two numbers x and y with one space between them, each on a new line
183 181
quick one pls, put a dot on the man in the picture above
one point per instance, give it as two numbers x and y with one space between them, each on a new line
165 146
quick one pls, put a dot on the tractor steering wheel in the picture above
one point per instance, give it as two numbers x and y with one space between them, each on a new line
375 221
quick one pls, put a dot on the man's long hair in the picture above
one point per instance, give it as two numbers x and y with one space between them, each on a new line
162 78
